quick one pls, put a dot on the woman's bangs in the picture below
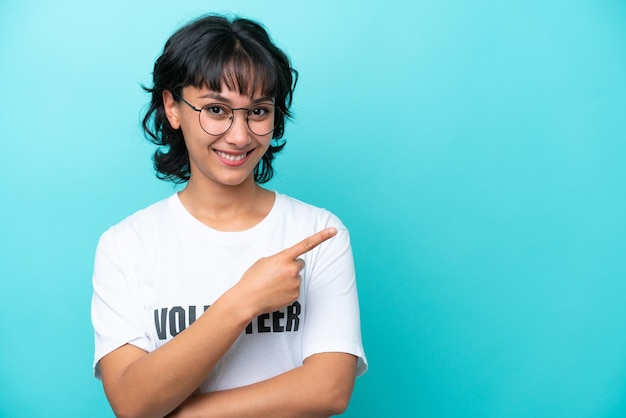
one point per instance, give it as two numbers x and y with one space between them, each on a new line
239 72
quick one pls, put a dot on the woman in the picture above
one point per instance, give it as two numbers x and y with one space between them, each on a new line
225 299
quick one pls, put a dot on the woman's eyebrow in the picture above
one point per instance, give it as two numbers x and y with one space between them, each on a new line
263 99
219 97
214 95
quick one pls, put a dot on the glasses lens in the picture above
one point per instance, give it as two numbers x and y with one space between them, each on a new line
261 119
216 118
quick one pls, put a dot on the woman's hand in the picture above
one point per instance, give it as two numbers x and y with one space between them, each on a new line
274 282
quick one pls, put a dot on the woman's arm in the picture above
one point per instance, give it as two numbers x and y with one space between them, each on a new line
140 384
320 388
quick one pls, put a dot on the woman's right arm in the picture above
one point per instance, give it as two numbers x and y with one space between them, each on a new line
140 384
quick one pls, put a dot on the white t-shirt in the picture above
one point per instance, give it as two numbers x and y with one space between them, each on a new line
158 270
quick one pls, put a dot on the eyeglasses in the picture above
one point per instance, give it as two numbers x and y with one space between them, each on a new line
217 118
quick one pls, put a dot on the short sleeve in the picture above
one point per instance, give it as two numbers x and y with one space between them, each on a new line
332 320
115 318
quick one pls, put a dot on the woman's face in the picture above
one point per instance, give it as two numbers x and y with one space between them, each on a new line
227 159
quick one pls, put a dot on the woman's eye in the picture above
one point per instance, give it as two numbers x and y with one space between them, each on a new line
215 110
260 111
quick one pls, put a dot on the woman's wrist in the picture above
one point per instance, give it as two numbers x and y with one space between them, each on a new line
237 308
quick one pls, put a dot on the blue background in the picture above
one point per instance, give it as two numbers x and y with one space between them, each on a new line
474 148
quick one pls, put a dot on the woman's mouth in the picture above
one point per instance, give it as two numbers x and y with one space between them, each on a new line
233 159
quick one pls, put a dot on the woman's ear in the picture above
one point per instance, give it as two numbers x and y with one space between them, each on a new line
171 109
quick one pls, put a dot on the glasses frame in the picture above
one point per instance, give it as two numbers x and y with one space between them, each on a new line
232 118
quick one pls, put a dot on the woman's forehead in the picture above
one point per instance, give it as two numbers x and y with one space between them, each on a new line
224 93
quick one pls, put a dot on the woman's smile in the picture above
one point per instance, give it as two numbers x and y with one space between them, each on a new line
233 159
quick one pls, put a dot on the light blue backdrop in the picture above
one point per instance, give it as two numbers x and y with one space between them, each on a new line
476 150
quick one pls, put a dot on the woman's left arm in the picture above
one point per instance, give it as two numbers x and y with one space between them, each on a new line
321 387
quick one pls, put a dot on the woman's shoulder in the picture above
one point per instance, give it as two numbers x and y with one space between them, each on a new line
286 202
291 208
147 218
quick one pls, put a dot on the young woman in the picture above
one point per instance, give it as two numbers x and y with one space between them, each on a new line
225 299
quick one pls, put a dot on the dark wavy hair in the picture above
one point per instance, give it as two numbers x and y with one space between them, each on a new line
214 51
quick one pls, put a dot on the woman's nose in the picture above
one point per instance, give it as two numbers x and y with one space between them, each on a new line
238 134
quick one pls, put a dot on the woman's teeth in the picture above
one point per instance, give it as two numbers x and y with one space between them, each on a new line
231 157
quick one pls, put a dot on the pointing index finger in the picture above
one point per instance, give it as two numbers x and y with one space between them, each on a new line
309 243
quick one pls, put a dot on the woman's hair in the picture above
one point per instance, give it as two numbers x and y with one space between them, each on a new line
216 52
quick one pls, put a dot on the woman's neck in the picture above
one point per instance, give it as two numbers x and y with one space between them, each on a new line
227 208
